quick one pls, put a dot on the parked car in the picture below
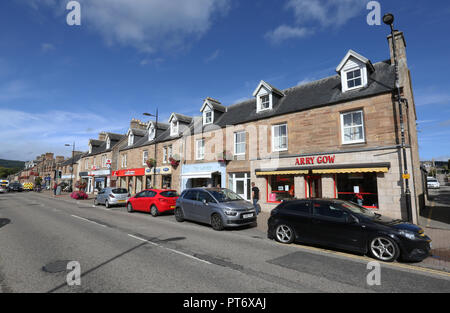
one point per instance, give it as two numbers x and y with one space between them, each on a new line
15 186
347 226
3 189
433 183
110 196
154 201
218 207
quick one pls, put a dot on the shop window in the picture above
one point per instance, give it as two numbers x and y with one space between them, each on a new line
167 181
358 188
280 188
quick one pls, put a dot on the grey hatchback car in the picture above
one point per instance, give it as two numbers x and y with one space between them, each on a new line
218 207
110 196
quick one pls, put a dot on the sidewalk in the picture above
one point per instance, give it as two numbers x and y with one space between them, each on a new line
439 260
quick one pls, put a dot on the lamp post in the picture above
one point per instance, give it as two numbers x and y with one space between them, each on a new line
388 19
156 135
73 152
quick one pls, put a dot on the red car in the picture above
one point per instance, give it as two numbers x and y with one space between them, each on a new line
155 201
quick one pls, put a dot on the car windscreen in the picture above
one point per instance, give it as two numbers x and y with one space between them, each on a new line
225 195
119 191
169 194
357 209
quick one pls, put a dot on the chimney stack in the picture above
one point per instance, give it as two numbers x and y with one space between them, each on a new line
102 136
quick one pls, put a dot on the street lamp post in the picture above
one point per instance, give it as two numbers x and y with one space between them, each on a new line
71 170
156 135
388 19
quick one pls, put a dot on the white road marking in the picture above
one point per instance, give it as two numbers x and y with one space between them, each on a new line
87 220
172 250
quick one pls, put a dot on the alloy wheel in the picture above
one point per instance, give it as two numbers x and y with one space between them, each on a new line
216 222
284 234
384 249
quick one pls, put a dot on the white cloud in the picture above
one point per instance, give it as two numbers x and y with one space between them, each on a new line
311 15
213 56
26 134
284 32
47 47
326 12
146 25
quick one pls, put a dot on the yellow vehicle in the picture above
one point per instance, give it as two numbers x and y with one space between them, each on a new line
28 186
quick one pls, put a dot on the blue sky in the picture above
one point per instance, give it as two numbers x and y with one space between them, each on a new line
60 83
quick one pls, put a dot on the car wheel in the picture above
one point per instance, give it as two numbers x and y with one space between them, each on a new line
107 204
384 249
284 234
179 216
130 208
154 211
216 222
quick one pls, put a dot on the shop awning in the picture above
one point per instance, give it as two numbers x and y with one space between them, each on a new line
197 175
352 170
293 172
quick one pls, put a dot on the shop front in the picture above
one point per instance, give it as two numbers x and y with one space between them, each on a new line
163 175
100 179
372 180
130 179
203 175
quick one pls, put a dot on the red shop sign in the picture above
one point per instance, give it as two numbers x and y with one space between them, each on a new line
321 159
131 172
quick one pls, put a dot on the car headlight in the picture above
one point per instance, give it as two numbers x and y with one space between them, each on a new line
230 213
407 234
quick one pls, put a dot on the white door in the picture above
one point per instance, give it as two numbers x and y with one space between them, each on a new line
241 184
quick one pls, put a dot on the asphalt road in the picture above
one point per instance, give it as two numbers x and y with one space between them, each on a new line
123 252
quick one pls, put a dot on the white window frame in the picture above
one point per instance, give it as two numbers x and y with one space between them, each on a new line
174 128
343 127
200 151
104 158
130 139
86 164
361 74
259 106
205 116
124 161
108 143
277 149
236 143
90 148
165 157
144 157
151 133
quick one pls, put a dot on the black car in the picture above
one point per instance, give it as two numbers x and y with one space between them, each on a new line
15 186
347 226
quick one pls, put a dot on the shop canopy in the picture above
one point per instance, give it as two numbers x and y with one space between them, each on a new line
197 175
333 169
293 172
352 170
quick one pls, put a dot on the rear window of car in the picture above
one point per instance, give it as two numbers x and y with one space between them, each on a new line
169 194
119 191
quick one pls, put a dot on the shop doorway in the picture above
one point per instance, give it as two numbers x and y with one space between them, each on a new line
313 186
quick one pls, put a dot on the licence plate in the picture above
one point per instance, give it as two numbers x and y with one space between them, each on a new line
120 201
172 207
247 215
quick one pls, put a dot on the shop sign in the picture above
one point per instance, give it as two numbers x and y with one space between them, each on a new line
321 159
162 170
131 172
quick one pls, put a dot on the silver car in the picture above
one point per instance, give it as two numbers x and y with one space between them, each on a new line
110 196
218 207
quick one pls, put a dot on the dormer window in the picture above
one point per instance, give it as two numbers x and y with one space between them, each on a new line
174 128
354 79
130 139
151 133
208 116
90 148
108 143
266 96
264 102
354 70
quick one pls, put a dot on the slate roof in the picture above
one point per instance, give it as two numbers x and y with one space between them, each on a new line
323 92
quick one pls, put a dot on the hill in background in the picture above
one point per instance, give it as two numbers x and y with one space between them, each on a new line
12 164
